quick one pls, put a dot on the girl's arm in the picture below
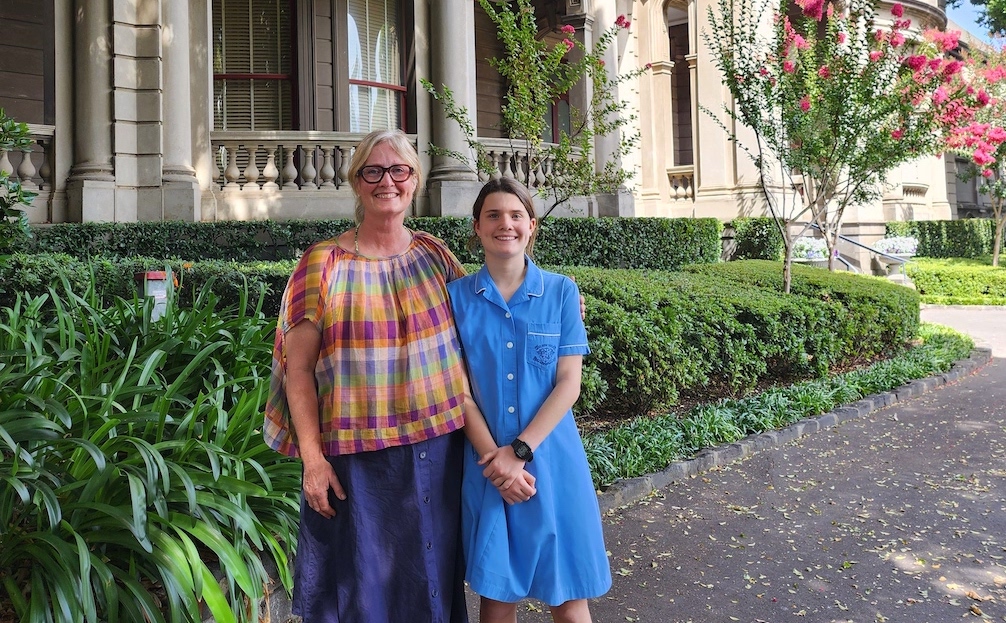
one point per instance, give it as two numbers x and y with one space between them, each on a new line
517 485
567 389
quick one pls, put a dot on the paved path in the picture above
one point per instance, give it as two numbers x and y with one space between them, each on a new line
898 516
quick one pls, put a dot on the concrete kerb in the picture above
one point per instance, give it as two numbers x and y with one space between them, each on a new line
630 490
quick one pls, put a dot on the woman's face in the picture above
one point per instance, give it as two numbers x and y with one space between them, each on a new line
504 226
385 196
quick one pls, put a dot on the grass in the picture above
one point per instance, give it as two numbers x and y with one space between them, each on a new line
649 444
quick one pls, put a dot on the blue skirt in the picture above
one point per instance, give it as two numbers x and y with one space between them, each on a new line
392 552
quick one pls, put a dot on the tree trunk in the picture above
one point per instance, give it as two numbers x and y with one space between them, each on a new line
997 243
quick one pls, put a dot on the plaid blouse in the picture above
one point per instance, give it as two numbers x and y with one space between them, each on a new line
389 371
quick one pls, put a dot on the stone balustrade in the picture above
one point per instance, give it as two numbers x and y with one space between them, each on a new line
512 160
33 168
682 180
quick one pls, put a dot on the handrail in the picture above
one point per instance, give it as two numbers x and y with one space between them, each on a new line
895 258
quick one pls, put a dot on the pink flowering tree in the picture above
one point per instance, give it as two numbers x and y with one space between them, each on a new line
537 75
834 101
983 138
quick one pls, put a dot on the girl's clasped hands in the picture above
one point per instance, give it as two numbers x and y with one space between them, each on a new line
506 472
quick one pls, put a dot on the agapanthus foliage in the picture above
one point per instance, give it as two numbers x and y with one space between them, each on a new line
983 138
836 99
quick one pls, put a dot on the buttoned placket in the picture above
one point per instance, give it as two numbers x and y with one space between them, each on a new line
510 365
426 529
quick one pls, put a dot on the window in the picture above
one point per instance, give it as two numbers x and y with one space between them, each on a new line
253 76
376 93
557 120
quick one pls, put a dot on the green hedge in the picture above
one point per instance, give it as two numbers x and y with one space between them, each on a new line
655 335
878 313
969 238
757 238
603 242
958 279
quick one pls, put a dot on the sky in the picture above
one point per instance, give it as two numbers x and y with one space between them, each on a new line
966 16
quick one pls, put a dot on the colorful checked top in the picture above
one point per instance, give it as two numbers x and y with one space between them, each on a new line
389 371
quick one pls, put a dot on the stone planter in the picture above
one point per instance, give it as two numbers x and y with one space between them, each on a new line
818 262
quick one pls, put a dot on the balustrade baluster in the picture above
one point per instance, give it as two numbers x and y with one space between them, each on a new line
251 171
26 171
232 174
344 158
327 169
290 171
270 172
505 165
45 171
308 173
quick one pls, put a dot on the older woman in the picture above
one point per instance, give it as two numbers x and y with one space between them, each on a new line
367 388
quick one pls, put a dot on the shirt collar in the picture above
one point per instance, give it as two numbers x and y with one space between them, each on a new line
534 283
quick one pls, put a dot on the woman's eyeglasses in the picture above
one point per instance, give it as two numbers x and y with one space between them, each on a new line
374 174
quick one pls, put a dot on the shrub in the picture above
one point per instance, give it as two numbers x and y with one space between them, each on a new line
958 279
970 238
137 483
603 242
756 238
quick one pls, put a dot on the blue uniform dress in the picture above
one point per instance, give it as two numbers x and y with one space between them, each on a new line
551 547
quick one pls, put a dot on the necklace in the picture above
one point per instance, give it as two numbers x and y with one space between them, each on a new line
356 239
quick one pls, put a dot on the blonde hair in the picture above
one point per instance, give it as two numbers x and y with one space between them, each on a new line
507 186
398 141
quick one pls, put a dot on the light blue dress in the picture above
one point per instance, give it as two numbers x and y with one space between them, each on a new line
551 547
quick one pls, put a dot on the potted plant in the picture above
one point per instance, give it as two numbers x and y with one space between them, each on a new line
896 250
810 251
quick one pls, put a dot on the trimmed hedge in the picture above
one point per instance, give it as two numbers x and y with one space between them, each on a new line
655 335
879 313
970 238
657 243
958 279
757 238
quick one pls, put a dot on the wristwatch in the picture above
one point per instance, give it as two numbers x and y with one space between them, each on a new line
522 450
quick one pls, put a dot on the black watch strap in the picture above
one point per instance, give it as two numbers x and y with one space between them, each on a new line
522 450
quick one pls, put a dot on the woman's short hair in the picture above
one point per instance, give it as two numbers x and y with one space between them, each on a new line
507 186
398 141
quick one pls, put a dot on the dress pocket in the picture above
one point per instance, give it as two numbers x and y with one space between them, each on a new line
542 346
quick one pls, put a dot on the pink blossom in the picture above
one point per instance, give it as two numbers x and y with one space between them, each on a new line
876 55
982 158
996 74
569 44
997 134
788 66
880 36
841 35
813 9
568 29
987 173
983 97
934 63
800 43
824 72
649 65
897 10
622 22
804 103
947 41
940 95
897 39
897 133
916 62
831 10
600 62
762 71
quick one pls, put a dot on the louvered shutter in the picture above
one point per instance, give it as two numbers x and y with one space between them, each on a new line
375 65
252 65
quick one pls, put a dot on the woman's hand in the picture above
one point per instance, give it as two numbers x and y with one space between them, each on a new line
319 477
520 490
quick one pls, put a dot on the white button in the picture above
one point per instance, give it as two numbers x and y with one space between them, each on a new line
511 409
422 455
509 344
508 314
509 377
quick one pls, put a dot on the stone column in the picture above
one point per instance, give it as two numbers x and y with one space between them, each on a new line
453 185
91 186
180 188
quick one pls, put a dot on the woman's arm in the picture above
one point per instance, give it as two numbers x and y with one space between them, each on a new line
303 344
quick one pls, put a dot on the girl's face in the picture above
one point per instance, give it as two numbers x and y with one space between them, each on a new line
504 227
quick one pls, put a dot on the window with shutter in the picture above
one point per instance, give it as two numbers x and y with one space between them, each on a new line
376 93
253 80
